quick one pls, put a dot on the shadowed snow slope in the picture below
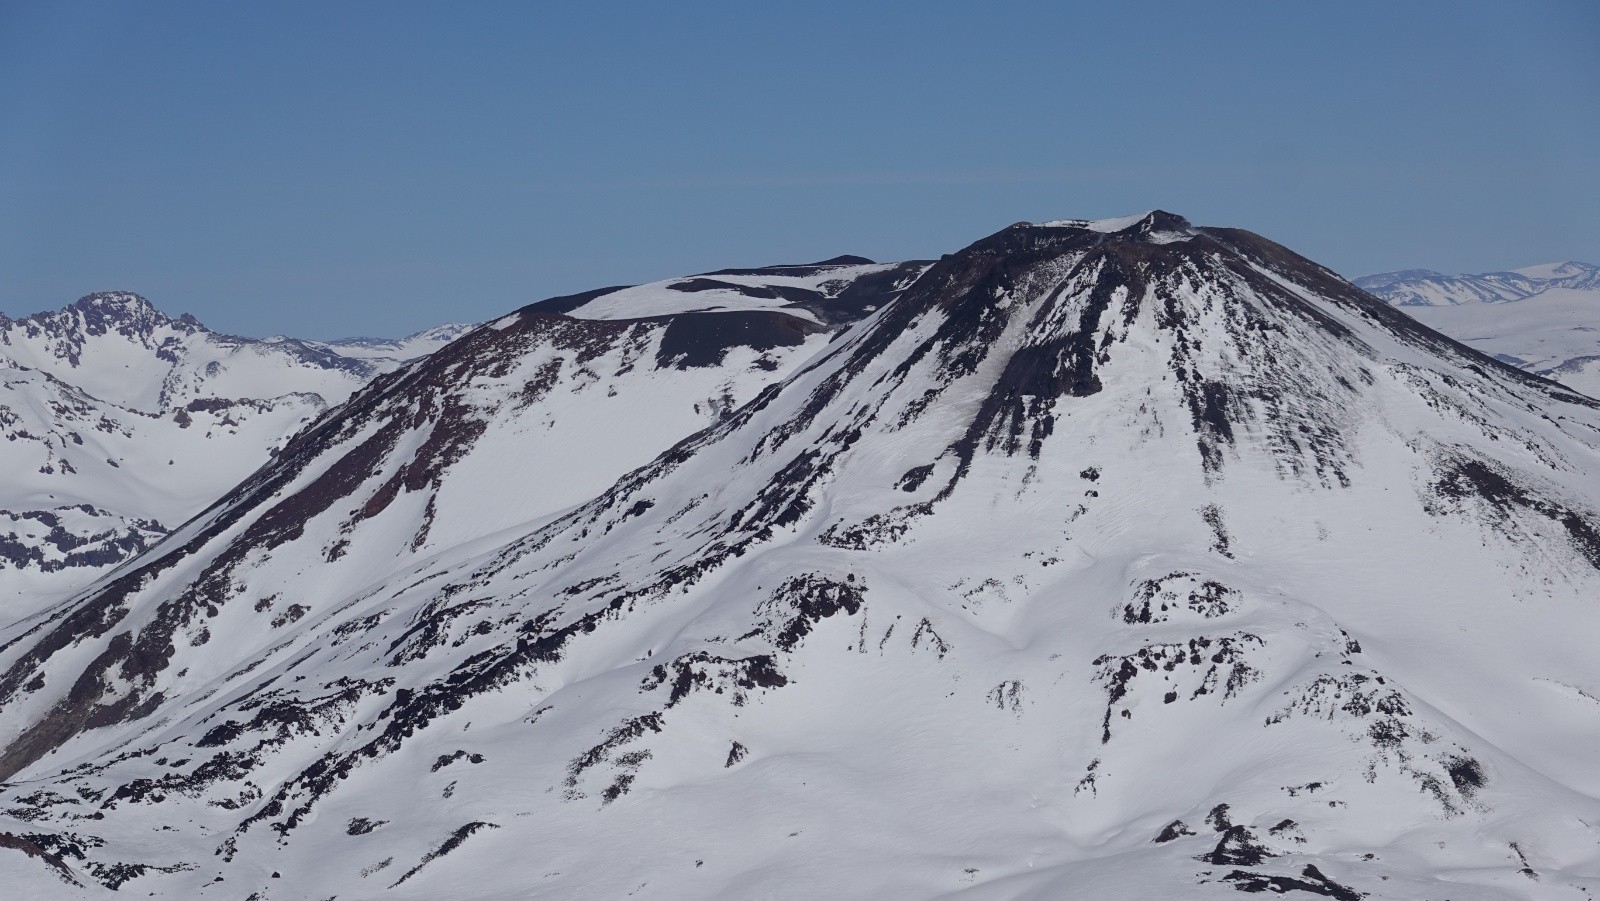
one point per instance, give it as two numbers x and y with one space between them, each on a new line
1106 560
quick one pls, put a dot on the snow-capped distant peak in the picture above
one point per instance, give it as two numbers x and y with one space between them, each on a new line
446 332
394 351
131 421
122 311
114 300
1568 269
449 331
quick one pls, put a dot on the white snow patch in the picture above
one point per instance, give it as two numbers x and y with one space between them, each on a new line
1103 226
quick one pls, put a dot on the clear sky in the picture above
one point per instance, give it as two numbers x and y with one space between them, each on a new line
337 168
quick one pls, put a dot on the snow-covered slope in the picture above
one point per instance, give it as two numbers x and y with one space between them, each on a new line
1545 319
121 422
1106 560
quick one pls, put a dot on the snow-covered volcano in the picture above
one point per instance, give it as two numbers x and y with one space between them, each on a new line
1102 560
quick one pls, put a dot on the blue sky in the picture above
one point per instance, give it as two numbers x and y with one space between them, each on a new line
327 169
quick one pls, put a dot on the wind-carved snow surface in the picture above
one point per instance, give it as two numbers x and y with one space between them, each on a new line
122 422
1082 565
1545 319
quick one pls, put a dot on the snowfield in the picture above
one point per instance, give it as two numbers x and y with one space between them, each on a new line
1545 319
1108 560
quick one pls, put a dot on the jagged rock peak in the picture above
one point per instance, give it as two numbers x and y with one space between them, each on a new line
124 306
106 311
114 300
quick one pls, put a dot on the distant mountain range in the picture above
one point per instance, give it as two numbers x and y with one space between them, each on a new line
1545 319
120 422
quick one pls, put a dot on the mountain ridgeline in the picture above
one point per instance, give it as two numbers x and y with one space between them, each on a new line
120 422
1109 559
